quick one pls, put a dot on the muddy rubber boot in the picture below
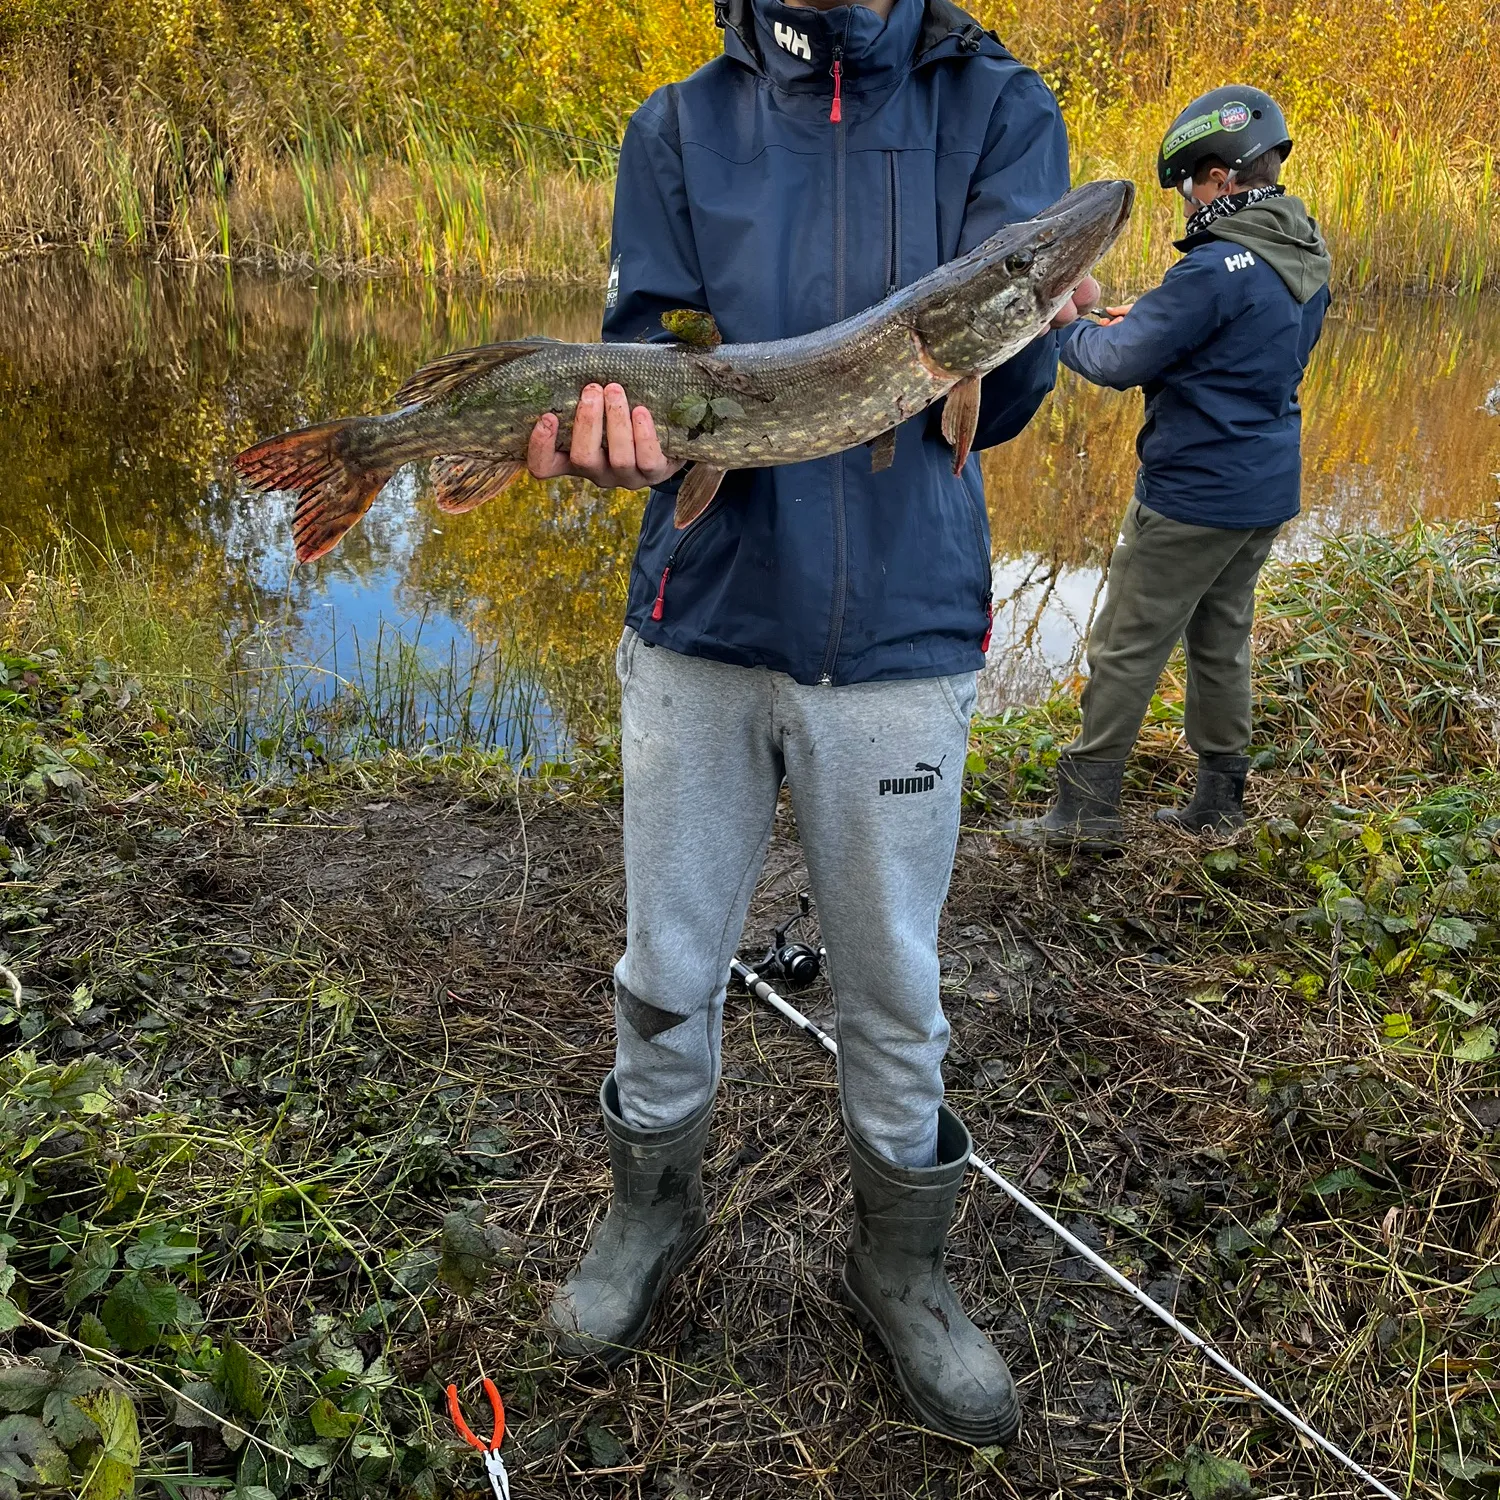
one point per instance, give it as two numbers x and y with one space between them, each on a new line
894 1282
1087 806
655 1225
1218 799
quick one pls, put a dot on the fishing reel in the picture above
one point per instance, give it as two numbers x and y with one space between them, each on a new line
792 965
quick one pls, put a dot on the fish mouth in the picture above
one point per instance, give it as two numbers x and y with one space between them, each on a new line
1071 236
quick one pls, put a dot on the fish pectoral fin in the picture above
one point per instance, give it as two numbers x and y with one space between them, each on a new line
697 491
461 484
690 326
446 375
882 451
961 418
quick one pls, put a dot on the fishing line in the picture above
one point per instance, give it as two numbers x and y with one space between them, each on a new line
763 991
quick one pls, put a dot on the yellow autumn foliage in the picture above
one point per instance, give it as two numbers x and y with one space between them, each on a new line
453 137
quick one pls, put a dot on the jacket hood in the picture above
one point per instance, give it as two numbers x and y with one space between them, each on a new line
795 46
1284 235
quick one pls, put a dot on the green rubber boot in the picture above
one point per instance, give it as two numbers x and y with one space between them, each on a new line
953 1378
655 1225
1218 798
1087 806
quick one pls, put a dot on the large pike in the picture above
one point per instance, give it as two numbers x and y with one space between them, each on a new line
722 406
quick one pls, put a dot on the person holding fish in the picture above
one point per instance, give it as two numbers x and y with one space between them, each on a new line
820 624
1219 349
838 252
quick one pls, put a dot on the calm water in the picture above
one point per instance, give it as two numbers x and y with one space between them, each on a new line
125 389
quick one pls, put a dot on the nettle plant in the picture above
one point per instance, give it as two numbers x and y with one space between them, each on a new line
1407 911
111 1370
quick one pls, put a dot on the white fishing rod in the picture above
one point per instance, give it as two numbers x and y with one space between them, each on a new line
763 991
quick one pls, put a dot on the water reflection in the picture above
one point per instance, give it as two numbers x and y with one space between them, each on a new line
125 389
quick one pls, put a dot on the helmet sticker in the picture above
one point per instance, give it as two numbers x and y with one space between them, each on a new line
1190 131
1234 116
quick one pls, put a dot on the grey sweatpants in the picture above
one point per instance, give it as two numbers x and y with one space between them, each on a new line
1169 581
875 772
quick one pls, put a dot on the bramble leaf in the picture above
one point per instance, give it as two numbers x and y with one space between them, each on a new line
112 1476
25 1387
141 1308
28 1454
313 1455
1210 1478
92 1267
328 1421
239 1379
470 1250
159 1246
1476 1044
1484 1304
198 1404
690 412
1344 1179
1452 932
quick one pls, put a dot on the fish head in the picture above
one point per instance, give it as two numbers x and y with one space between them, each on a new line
995 299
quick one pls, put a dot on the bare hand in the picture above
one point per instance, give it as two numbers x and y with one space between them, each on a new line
1085 295
612 445
1115 314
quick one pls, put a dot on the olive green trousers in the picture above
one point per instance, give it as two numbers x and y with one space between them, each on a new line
1169 581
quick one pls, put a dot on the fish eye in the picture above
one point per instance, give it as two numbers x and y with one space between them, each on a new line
1020 261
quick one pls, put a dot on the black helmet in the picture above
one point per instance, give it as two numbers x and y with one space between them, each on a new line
1234 123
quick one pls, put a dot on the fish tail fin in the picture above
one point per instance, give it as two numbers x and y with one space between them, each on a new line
333 489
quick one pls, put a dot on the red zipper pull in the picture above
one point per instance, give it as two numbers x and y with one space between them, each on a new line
989 628
661 592
836 113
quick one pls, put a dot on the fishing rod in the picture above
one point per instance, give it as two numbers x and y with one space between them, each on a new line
762 990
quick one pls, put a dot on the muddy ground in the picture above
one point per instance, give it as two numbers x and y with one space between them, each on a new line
397 999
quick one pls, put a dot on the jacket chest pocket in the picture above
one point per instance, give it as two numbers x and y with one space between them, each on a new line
893 280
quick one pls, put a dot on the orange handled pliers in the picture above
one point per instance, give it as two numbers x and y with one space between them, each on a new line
494 1465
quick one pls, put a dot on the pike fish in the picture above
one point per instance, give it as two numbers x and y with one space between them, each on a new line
720 406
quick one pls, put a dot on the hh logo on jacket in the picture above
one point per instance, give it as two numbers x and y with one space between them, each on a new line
1240 261
795 42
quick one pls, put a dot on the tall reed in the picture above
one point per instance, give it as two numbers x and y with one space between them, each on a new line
447 140
270 704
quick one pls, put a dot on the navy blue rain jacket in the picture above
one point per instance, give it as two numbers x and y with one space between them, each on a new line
1219 348
738 195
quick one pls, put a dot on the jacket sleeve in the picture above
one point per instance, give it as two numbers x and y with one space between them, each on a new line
1023 169
653 257
1183 313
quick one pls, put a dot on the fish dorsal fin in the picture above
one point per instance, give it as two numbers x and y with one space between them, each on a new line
882 451
461 484
690 326
446 375
696 492
961 418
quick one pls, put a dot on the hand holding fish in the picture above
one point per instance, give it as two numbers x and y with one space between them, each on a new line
612 445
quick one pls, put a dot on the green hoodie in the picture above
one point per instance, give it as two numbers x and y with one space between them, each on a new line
1284 235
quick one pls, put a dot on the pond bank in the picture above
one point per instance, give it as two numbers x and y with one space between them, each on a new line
297 1103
